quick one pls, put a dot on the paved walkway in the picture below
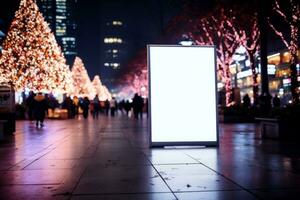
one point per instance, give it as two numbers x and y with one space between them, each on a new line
109 158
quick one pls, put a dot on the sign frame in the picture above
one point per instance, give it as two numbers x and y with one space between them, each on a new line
181 143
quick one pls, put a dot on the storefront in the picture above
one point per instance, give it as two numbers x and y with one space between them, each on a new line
278 75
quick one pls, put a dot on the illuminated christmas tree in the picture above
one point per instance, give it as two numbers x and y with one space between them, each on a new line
31 57
97 84
135 80
100 89
81 80
106 94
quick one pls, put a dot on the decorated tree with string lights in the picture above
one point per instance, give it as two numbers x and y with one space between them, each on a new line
289 13
97 85
219 29
100 89
227 27
82 85
106 95
135 79
250 39
31 57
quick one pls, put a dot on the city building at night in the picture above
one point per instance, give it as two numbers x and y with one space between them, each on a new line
114 42
60 14
278 75
2 35
1 38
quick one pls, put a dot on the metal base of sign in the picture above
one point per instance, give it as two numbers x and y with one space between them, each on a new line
163 144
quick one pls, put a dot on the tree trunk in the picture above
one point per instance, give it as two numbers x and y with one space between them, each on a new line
294 77
228 88
254 77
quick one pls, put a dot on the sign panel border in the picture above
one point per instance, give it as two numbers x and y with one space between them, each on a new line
179 143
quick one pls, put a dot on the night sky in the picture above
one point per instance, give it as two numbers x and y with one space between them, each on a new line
144 24
146 20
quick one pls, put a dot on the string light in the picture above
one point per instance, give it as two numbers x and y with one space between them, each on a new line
100 89
291 16
82 86
31 57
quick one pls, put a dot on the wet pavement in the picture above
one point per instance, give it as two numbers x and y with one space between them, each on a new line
109 158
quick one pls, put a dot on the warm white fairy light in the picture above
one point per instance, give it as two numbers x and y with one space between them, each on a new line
81 80
31 57
100 89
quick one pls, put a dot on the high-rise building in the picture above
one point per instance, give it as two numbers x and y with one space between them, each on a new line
60 14
113 49
2 35
47 7
115 45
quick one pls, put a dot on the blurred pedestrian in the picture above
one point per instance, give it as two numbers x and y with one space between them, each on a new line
96 107
69 106
113 106
136 104
47 103
265 103
121 106
141 106
40 107
30 105
246 101
106 107
127 107
276 101
76 104
85 107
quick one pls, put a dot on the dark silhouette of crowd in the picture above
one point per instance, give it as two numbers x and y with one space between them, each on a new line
264 100
137 104
39 106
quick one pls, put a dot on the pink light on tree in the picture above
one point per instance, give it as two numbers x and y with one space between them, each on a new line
289 12
250 38
218 29
135 80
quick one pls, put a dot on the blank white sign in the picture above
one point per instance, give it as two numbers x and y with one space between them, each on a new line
182 83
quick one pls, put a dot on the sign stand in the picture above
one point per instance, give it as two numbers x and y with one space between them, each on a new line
182 95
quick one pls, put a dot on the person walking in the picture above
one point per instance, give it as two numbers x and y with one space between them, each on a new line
246 101
127 107
76 104
136 105
30 105
96 107
40 107
106 107
276 101
141 106
85 107
113 106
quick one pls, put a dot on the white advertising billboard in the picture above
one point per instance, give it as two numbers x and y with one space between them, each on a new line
182 96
